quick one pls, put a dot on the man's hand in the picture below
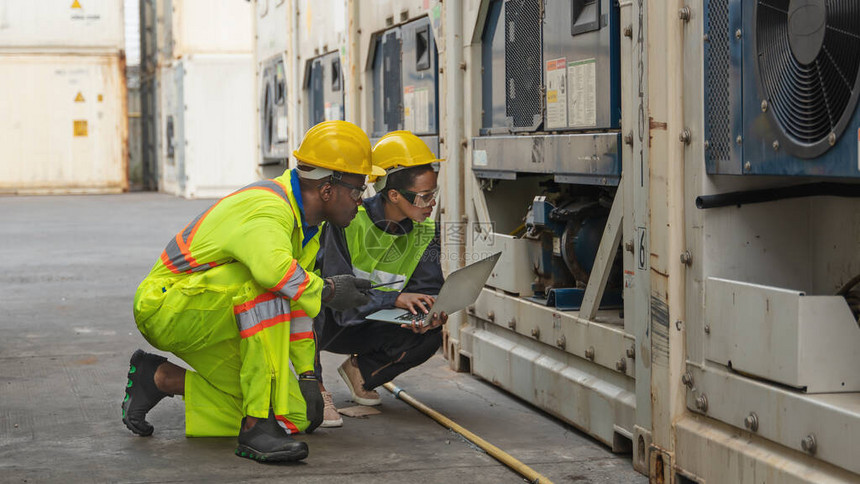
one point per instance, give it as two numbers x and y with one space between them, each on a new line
414 302
345 291
310 388
422 327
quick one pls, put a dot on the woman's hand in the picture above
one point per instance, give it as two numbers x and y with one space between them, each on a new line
424 325
414 302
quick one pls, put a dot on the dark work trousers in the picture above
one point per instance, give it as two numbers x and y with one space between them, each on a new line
384 350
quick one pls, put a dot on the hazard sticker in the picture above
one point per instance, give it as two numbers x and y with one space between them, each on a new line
79 98
80 127
76 4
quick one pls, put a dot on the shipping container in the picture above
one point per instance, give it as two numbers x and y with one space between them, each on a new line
610 151
207 114
64 127
201 27
94 26
296 91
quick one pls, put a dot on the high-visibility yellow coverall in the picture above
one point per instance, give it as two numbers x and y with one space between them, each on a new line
234 296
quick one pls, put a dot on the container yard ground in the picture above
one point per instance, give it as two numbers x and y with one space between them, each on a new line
69 267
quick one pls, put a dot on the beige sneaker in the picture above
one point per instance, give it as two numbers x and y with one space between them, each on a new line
352 377
331 418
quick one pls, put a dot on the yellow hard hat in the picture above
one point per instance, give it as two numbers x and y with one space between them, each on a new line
401 149
339 146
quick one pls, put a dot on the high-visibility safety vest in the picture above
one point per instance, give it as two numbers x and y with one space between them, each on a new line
259 226
383 257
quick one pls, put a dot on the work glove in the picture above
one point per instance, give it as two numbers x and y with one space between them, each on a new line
310 388
345 291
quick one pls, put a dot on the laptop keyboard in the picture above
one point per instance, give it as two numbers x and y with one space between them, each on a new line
409 317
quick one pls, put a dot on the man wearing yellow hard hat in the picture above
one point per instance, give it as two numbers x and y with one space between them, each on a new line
233 295
392 240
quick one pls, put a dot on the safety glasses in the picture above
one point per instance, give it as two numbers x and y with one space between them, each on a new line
355 191
420 200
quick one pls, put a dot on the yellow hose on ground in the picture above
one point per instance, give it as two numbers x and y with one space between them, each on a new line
491 449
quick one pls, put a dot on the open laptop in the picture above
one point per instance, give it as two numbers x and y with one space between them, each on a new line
460 289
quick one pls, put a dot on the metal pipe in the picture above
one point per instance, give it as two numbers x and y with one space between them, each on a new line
489 448
781 193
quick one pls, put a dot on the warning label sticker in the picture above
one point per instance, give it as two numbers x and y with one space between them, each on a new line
80 127
556 93
79 13
79 98
582 103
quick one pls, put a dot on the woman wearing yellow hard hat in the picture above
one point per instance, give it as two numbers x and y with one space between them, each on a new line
392 241
233 294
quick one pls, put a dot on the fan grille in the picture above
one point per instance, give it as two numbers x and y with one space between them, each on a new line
811 102
523 67
718 101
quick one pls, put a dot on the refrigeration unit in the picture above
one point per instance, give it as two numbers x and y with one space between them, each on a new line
324 88
302 60
550 140
781 88
551 326
405 78
272 109
771 337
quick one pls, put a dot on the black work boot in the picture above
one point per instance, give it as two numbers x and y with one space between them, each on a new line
141 394
266 441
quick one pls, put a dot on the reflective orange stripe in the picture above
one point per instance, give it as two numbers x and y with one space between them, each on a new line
268 323
186 252
302 288
184 246
168 263
290 426
197 225
286 277
266 296
298 313
298 336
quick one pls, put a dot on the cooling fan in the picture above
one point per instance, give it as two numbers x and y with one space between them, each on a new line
807 62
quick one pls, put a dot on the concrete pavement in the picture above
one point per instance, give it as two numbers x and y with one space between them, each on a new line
69 266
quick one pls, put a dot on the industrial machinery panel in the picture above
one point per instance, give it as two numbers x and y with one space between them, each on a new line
591 159
581 64
796 66
324 88
274 146
387 90
419 78
804 341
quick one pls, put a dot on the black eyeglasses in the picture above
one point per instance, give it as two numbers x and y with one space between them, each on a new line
355 192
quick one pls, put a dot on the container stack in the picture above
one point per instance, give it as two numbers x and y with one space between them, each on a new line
197 93
63 97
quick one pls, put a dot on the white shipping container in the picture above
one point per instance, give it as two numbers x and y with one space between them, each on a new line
63 126
207 125
61 25
206 27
